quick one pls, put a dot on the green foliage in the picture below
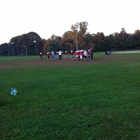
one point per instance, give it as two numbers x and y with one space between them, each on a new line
78 38
4 49
86 101
26 44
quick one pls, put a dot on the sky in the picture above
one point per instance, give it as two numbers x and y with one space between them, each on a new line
55 17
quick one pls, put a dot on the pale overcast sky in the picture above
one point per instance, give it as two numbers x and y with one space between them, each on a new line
47 17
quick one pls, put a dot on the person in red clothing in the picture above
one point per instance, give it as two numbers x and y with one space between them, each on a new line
48 55
71 54
41 56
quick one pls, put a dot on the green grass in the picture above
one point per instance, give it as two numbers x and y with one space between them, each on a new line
19 58
92 102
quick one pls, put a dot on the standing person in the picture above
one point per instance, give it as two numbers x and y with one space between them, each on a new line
91 54
76 55
71 54
66 54
85 55
81 54
109 52
53 56
41 56
48 55
60 55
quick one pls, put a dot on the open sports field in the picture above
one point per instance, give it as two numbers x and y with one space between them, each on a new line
70 100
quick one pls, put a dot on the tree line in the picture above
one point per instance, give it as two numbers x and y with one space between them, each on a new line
77 38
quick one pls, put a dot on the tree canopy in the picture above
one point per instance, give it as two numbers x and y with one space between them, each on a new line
77 38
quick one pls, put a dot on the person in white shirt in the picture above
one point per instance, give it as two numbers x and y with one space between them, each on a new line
60 55
85 55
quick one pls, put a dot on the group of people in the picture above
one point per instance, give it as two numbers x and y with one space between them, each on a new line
77 55
82 54
51 55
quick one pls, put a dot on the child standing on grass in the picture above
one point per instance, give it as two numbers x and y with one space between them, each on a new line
71 54
77 55
85 55
41 56
52 53
60 55
48 55
91 54
66 54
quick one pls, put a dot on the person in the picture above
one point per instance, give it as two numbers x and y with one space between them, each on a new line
71 54
48 55
91 54
85 55
60 55
81 54
41 56
77 55
108 52
53 55
66 54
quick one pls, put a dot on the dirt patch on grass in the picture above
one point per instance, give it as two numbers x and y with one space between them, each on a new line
64 62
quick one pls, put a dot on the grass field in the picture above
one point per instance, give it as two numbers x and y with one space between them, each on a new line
70 100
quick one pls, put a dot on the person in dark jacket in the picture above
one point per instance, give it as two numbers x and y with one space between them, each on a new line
91 54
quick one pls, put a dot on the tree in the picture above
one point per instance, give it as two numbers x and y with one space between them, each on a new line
74 28
52 44
4 49
137 37
67 41
83 27
27 44
96 40
87 38
79 29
